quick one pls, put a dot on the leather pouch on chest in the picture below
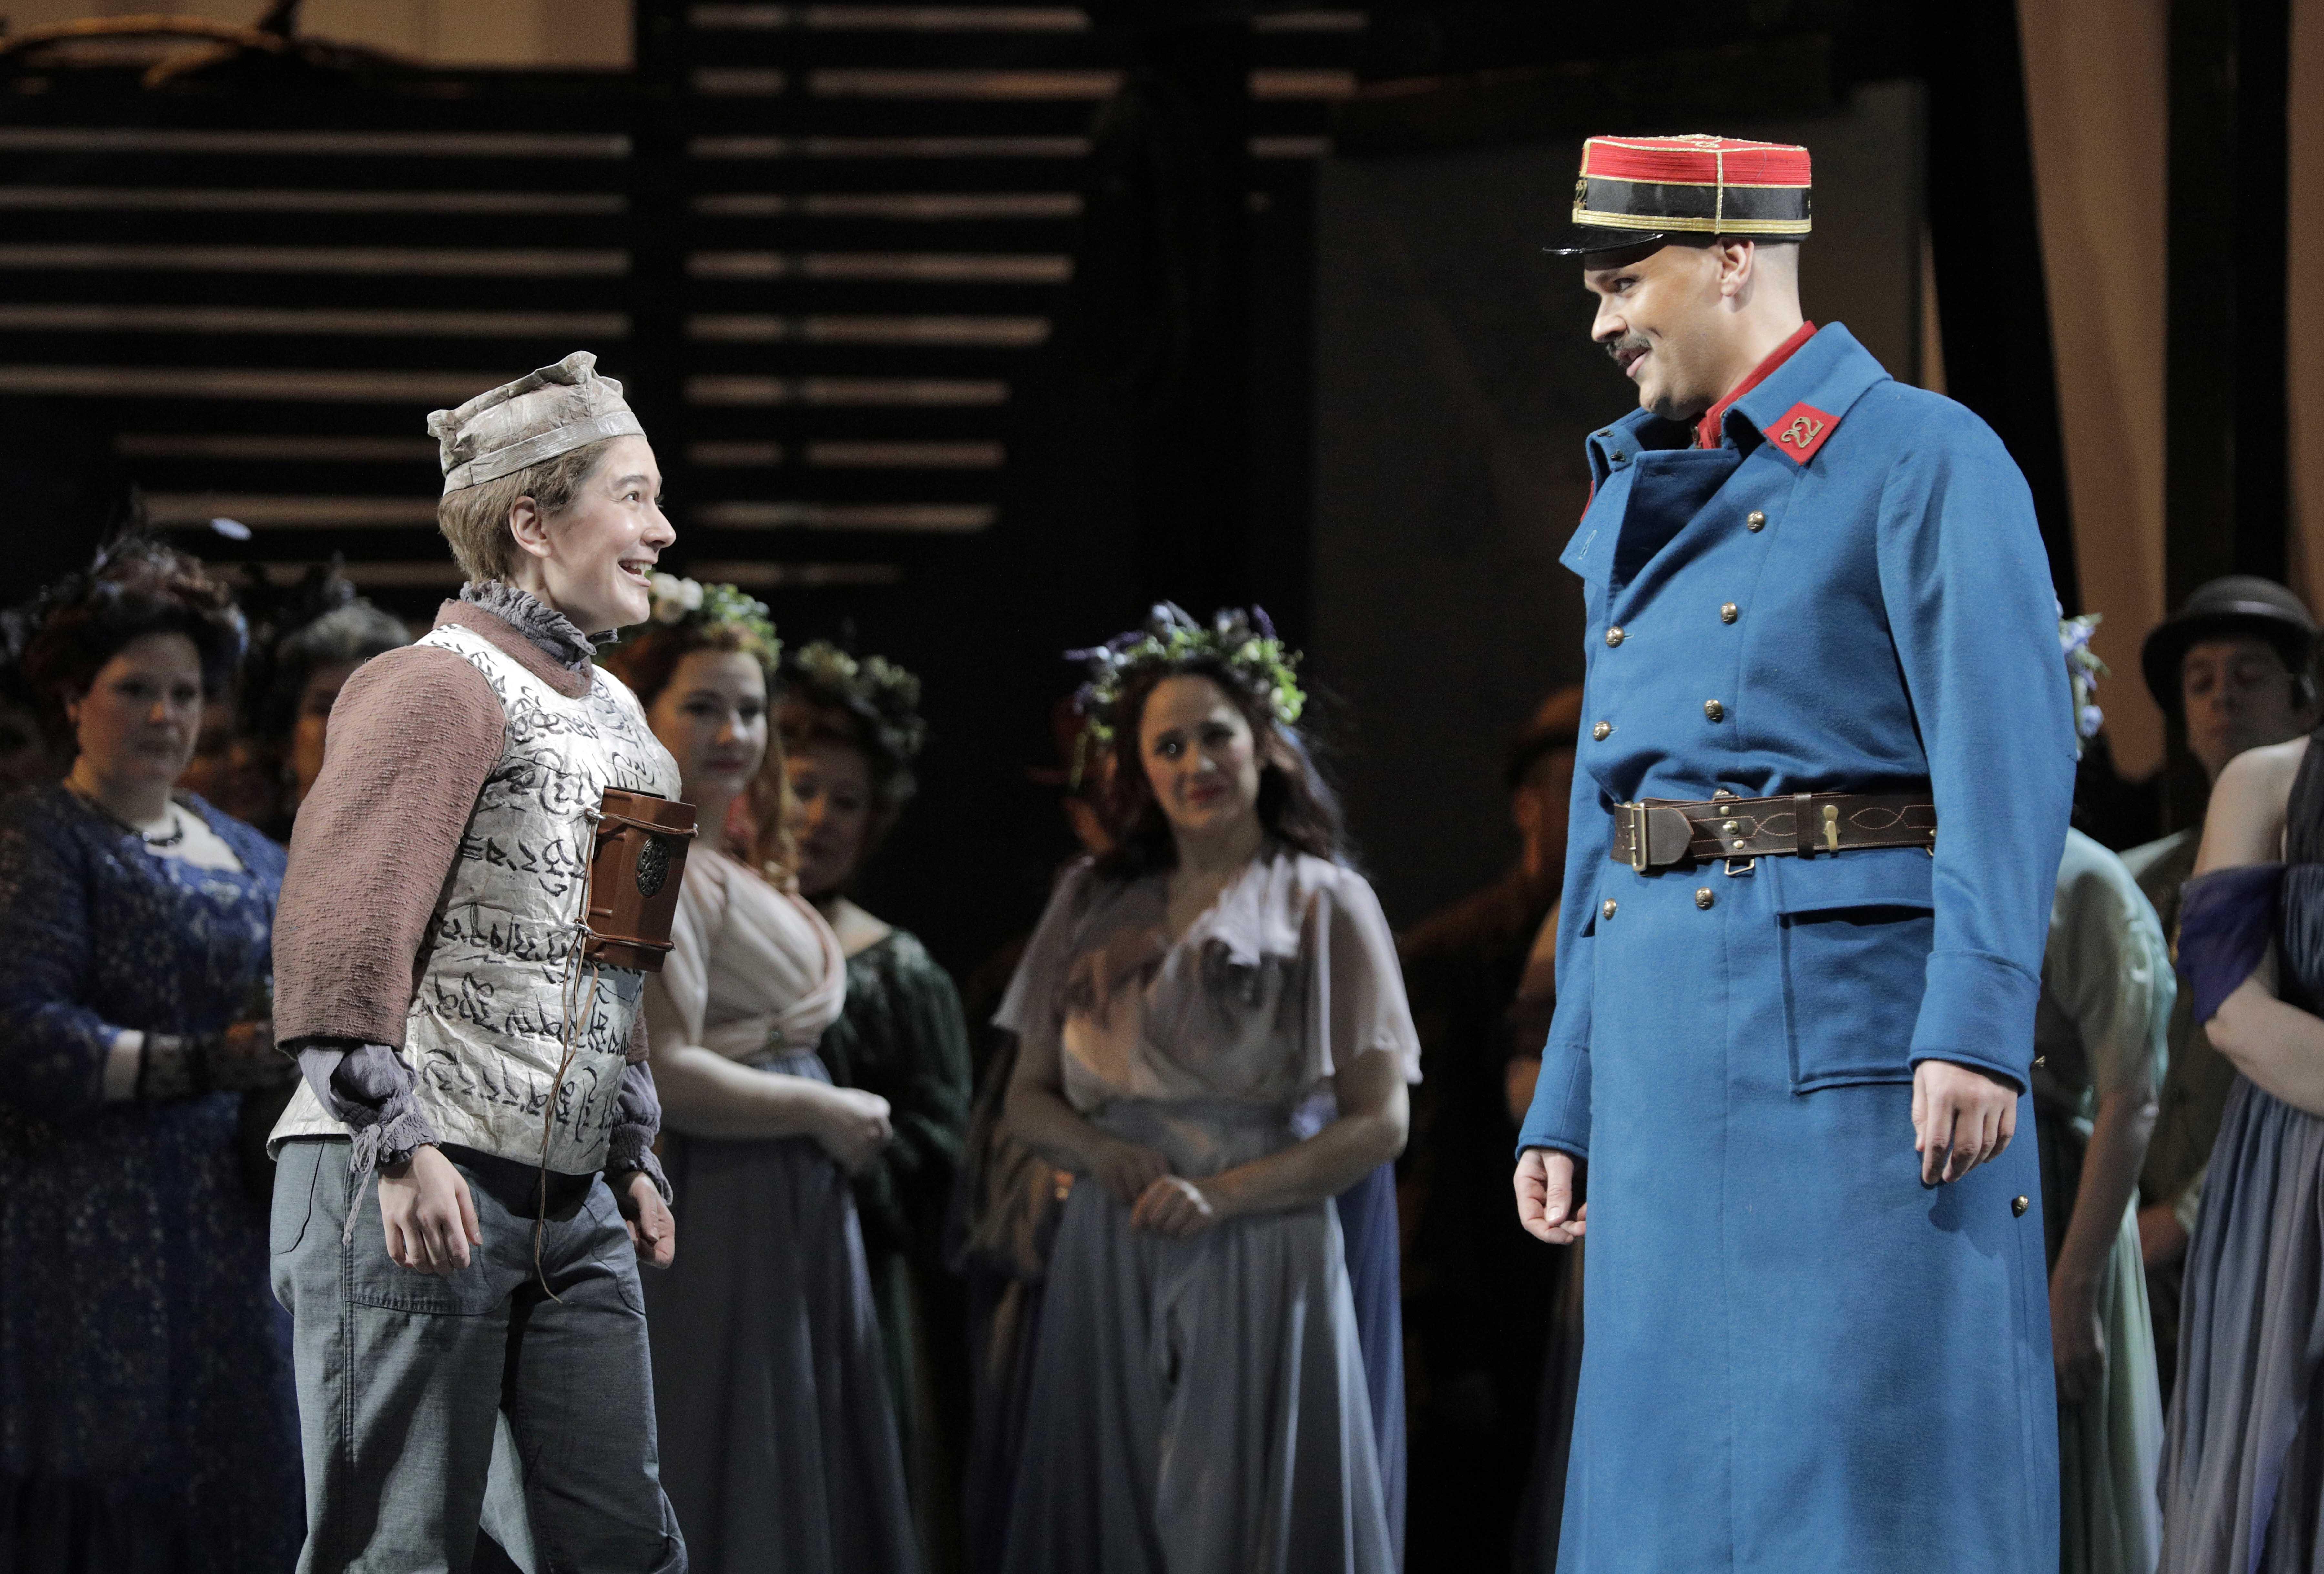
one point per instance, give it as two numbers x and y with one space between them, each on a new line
636 865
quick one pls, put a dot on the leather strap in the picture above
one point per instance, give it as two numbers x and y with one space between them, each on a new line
1663 833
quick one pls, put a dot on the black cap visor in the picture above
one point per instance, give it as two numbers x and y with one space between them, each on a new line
1592 241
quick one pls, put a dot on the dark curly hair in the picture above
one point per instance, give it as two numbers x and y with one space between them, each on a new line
137 586
1296 805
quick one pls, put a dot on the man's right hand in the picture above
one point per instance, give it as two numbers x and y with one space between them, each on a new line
427 1215
1545 1188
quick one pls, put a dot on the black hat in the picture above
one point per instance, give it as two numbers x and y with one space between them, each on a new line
2235 603
1644 191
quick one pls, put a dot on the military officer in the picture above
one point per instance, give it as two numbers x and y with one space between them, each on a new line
1825 768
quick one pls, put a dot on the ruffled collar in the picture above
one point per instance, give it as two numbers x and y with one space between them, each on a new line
1261 914
553 634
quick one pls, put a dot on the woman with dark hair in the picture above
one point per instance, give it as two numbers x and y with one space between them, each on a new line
777 1446
1212 1034
851 729
146 1416
26 757
312 664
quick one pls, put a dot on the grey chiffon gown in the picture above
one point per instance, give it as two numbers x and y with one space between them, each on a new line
778 1446
2243 1474
1200 1406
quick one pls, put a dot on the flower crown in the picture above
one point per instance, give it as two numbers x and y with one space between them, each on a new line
874 685
2083 670
690 604
1245 642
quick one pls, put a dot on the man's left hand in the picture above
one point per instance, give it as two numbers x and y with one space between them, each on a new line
652 1230
1961 1117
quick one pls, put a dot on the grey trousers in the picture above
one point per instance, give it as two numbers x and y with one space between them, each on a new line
404 1378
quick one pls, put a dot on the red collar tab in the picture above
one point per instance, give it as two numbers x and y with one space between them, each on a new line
1706 431
1799 430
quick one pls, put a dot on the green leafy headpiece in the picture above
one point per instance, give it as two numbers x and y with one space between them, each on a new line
1244 642
690 604
872 686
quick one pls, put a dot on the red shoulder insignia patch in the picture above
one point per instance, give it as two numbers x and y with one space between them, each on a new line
1799 430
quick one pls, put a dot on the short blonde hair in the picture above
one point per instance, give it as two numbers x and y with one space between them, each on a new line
476 519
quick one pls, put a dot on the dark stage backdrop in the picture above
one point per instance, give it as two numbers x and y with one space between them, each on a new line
962 329
1454 386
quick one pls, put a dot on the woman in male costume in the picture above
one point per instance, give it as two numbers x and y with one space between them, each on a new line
477 1116
1823 783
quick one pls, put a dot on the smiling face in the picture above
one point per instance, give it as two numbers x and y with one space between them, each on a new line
1200 757
831 813
137 724
1656 317
712 718
592 561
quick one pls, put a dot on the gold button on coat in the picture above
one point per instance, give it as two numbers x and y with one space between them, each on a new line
2018 1205
1703 898
1756 520
1605 909
1714 710
1730 613
1602 731
1614 636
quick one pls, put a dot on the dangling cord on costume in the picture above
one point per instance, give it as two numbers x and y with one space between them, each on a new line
566 1048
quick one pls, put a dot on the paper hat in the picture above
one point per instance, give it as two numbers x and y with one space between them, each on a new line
539 416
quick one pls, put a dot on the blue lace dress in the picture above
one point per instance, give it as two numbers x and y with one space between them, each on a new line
147 1421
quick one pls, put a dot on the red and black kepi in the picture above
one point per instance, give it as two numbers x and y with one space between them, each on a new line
1644 190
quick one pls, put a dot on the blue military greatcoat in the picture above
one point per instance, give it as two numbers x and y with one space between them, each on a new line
1798 1358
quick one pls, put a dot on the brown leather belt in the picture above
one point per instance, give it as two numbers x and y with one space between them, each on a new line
1663 833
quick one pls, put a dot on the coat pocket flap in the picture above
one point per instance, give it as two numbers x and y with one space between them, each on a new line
1895 877
1825 902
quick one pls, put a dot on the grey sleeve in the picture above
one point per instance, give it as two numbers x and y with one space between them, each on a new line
369 1089
636 1121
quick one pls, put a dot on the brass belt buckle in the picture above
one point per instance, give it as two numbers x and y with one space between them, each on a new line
1637 814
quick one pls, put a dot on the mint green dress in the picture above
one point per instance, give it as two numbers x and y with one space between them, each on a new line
2103 1027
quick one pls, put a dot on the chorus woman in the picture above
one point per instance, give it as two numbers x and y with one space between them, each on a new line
2243 1473
851 728
146 1418
778 1451
1213 1038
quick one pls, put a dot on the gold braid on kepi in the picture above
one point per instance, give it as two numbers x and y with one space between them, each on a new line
1648 190
1242 641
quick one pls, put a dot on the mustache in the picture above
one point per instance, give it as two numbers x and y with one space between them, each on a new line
1628 341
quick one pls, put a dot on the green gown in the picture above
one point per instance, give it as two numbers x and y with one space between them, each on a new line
901 1035
2101 1028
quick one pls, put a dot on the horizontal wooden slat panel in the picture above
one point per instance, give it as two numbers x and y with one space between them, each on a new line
241 143
309 323
931 518
862 237
308 203
439 262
